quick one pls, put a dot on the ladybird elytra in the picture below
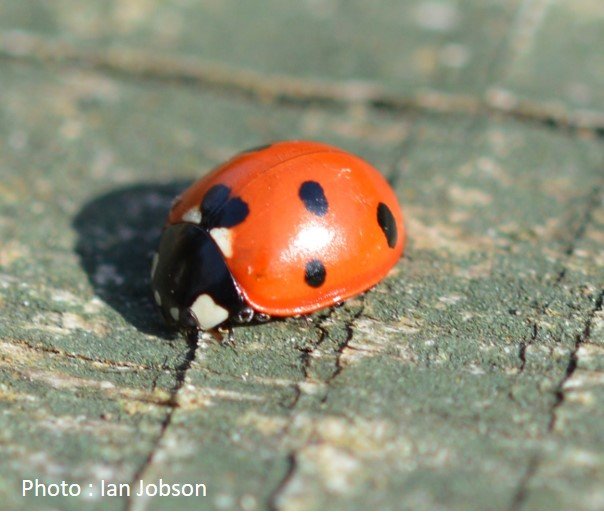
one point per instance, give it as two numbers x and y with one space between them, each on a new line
280 230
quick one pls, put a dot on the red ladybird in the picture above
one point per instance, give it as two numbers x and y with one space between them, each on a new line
280 230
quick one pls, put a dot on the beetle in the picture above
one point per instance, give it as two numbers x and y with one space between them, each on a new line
280 230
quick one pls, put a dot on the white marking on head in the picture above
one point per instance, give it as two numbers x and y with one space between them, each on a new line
223 237
174 313
193 215
208 313
157 297
154 264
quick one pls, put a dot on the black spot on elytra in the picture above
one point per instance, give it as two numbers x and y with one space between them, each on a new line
387 223
314 274
215 199
313 197
218 209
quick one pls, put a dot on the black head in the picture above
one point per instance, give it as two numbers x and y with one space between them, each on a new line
191 282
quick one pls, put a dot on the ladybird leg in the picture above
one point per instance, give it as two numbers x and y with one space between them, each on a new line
261 318
216 333
228 340
207 338
224 335
308 320
244 316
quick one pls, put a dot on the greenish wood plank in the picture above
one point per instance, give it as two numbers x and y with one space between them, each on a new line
400 45
554 56
470 378
568 470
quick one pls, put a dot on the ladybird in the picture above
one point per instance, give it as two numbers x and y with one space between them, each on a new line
279 230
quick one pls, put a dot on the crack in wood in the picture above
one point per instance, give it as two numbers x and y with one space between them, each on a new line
583 337
280 88
342 347
571 367
306 355
577 231
181 374
272 502
524 345
40 348
292 465
522 491
60 380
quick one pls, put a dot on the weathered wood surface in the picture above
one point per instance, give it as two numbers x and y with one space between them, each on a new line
473 377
